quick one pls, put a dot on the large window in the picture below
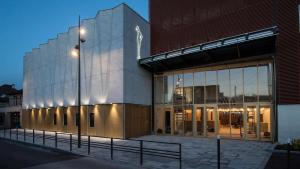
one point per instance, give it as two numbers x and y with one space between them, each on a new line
168 88
92 120
250 84
236 85
178 93
223 86
264 83
159 89
199 84
211 87
188 88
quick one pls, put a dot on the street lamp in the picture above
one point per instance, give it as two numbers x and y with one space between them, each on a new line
76 53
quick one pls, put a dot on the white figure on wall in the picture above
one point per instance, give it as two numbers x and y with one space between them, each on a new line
139 38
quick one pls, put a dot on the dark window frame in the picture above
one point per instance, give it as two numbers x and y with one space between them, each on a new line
65 119
92 119
55 119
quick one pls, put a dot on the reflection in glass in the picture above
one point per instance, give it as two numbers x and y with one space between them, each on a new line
200 120
211 87
265 122
236 120
188 88
223 87
251 122
159 89
224 120
168 88
264 83
236 85
199 83
188 120
250 84
178 120
178 93
210 121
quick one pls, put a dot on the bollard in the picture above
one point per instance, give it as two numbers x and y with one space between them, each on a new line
17 134
180 158
33 136
9 133
4 133
24 135
111 148
89 145
141 152
70 142
55 139
288 154
43 137
219 154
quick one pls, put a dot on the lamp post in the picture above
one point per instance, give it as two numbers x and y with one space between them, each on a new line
76 52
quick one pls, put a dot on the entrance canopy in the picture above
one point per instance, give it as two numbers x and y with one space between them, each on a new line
243 46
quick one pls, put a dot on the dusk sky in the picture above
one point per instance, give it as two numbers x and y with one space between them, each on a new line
27 23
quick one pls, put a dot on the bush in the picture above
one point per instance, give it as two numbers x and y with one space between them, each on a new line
296 144
159 131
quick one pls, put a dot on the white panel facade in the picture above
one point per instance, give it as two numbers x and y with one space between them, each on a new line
50 71
288 122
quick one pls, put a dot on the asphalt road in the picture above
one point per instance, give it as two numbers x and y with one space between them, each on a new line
18 155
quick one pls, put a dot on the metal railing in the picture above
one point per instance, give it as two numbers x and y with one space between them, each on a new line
138 147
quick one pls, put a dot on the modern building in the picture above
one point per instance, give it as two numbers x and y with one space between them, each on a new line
228 68
10 106
214 67
115 90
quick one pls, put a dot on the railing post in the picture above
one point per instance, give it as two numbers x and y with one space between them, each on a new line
219 153
70 142
24 135
43 137
33 136
9 133
141 152
4 133
180 156
17 134
55 139
89 145
288 154
111 148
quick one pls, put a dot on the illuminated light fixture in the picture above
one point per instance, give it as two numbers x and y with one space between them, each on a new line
74 52
60 104
82 31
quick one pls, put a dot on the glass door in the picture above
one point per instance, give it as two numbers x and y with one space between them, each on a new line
211 125
265 122
224 120
251 123
199 121
178 120
236 121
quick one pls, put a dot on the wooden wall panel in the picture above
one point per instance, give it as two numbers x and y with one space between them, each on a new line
137 120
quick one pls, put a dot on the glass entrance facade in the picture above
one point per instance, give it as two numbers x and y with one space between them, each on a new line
233 101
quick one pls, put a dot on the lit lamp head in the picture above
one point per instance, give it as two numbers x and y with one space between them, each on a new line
74 52
82 32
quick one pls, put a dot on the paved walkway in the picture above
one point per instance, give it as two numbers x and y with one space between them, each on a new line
196 152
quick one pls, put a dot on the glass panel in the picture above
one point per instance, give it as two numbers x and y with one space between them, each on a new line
178 83
65 119
223 86
264 84
178 119
199 83
92 120
188 88
210 121
236 119
250 84
199 120
251 122
77 119
236 84
224 120
265 122
211 87
188 120
168 88
159 89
